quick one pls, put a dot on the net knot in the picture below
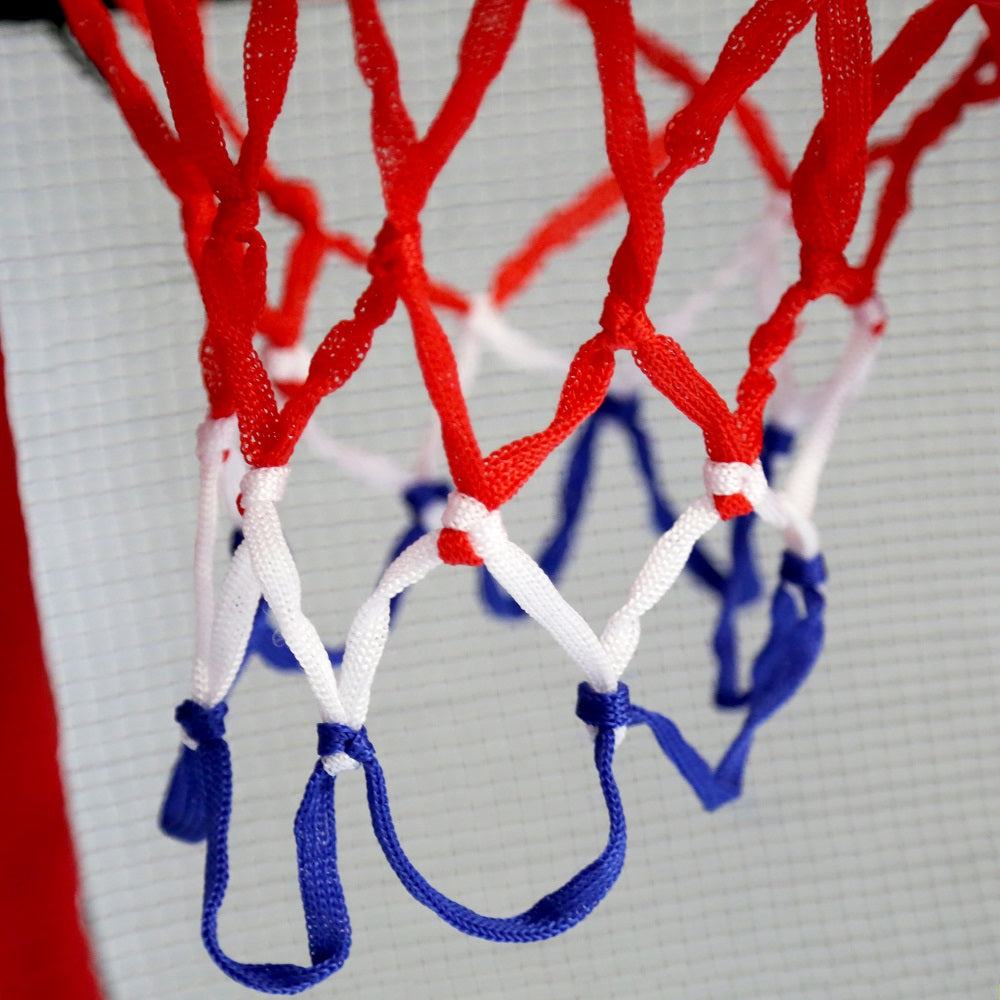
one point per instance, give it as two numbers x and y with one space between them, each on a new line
336 738
264 485
603 710
623 324
237 217
465 513
736 487
395 252
463 518
200 723
827 272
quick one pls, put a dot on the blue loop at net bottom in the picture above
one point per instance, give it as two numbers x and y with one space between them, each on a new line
199 802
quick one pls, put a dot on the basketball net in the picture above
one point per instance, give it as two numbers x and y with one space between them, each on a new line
263 387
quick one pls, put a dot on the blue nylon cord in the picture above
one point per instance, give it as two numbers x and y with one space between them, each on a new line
736 589
327 923
198 802
780 669
182 815
325 910
741 587
553 914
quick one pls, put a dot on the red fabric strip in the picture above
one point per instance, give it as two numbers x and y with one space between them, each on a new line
43 947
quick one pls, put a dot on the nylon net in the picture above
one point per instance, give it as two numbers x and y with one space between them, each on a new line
841 200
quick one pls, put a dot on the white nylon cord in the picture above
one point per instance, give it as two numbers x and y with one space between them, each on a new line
486 325
369 630
671 552
792 407
263 565
483 327
235 610
659 572
215 438
378 472
821 409
843 386
528 584
777 222
274 568
287 364
291 364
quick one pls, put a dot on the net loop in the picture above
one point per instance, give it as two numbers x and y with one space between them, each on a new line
198 807
464 515
553 914
265 485
184 814
237 218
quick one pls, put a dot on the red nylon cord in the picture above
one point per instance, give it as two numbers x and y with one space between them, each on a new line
690 138
826 189
633 271
298 201
229 256
559 229
757 133
597 200
751 49
408 168
630 281
925 130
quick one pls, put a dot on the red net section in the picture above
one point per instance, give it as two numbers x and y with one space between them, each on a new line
220 194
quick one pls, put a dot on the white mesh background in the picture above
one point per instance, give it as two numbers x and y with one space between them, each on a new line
861 861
